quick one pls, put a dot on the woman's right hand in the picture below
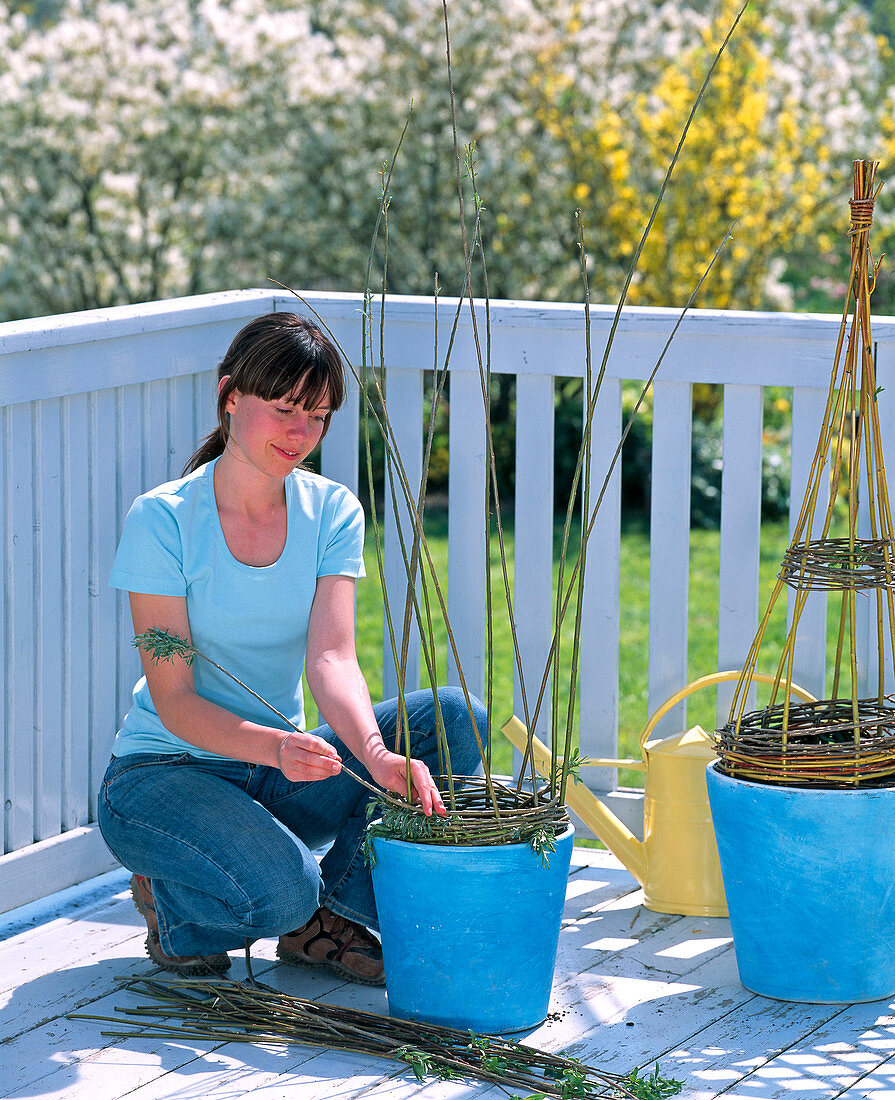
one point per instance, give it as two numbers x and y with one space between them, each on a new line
304 758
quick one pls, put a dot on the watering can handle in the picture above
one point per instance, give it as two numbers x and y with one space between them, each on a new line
708 681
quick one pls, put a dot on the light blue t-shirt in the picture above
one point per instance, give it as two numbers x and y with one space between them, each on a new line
253 621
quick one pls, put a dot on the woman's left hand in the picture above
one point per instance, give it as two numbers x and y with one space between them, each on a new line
389 770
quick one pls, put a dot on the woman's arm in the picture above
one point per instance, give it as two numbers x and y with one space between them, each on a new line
206 725
343 700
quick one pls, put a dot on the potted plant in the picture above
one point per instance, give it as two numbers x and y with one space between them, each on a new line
803 793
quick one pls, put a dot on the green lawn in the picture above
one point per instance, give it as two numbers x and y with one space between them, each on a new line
703 631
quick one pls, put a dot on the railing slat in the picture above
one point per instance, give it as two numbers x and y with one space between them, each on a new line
182 436
404 400
205 405
49 604
669 549
533 543
342 459
6 628
107 608
885 377
154 433
599 694
740 533
339 453
22 663
866 609
466 530
76 505
131 456
809 667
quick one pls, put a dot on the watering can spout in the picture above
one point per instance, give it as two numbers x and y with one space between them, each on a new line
617 837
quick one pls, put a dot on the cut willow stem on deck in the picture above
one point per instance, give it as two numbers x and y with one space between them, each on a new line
845 741
224 1011
161 645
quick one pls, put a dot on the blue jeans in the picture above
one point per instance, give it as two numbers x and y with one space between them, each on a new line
228 845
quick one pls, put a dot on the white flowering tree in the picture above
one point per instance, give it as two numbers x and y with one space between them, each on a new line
155 147
141 143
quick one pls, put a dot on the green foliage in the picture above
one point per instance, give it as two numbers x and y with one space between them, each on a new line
572 1080
882 22
424 1065
652 1086
164 646
775 474
705 475
574 762
541 842
406 825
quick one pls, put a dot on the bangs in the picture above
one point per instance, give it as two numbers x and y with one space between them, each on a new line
296 379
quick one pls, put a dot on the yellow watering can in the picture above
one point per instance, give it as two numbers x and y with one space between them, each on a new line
676 863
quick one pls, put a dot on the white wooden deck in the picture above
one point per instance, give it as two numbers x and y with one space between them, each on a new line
631 987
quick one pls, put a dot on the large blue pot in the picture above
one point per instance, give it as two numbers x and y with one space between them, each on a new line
809 876
469 934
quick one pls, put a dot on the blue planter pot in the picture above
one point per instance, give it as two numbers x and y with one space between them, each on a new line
469 934
808 875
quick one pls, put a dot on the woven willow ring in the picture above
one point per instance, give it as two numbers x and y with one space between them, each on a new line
822 745
838 564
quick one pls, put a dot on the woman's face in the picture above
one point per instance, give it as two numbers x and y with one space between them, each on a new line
273 436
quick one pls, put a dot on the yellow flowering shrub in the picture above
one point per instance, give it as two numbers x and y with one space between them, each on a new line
759 152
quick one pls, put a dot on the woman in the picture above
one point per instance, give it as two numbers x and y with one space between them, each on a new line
215 808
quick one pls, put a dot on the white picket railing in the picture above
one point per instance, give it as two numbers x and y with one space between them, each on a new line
97 407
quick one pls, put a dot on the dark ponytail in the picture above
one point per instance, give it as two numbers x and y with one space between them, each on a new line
211 447
275 356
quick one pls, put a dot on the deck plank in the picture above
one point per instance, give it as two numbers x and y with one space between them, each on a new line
741 1044
841 1054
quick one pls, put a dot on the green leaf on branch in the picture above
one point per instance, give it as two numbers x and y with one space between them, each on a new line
161 645
574 761
652 1086
424 1065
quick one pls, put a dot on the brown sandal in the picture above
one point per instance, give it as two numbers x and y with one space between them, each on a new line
338 944
141 892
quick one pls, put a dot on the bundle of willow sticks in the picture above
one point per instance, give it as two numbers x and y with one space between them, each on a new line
224 1011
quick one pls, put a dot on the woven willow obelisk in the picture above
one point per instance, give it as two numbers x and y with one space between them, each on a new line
843 741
